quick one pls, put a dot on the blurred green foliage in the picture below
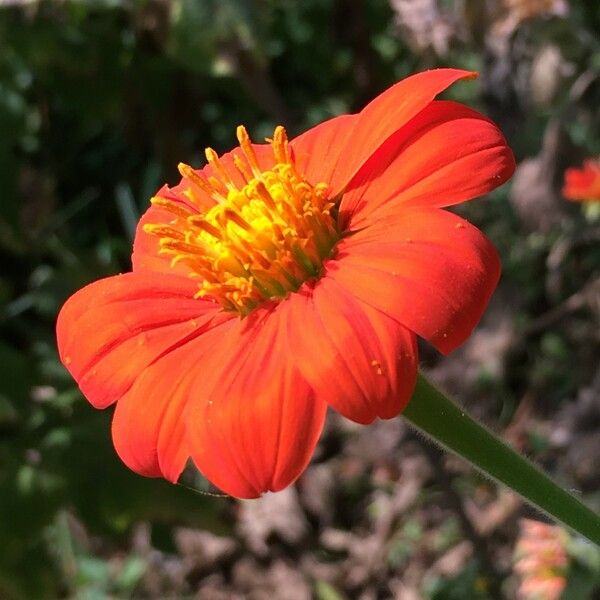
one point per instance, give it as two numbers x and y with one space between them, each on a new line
99 101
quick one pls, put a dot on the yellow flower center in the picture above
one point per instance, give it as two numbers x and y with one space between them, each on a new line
251 241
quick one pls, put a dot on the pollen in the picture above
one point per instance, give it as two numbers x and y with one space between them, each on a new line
249 230
377 367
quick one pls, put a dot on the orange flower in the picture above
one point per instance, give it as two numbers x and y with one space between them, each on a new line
541 561
287 277
583 184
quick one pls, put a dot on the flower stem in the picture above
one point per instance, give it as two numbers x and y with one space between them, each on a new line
447 424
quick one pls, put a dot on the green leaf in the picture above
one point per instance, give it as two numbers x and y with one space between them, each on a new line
325 591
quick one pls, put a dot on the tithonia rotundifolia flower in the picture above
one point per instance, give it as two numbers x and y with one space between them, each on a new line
583 184
541 560
288 277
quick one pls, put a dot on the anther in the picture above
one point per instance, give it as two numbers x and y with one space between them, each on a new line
247 149
219 188
202 223
242 167
213 159
163 231
265 196
256 255
280 145
188 172
172 207
231 215
171 245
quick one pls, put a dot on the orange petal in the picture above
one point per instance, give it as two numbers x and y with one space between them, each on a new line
254 422
111 330
145 256
357 359
447 154
427 268
317 151
338 148
149 429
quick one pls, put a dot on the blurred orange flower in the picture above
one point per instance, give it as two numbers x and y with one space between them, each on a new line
526 9
583 184
541 561
287 277
517 12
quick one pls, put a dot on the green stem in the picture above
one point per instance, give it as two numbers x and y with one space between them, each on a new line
447 424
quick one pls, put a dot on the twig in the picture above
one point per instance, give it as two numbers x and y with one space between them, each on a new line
574 302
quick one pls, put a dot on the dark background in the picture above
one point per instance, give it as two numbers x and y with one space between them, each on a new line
99 101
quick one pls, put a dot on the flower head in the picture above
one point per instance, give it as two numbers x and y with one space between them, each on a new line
286 277
583 184
541 561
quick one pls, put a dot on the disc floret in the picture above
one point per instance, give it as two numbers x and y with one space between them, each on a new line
250 234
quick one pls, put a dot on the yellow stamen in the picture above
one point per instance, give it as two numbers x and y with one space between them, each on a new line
248 150
242 167
202 223
213 160
177 209
231 215
280 146
164 232
196 179
256 242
